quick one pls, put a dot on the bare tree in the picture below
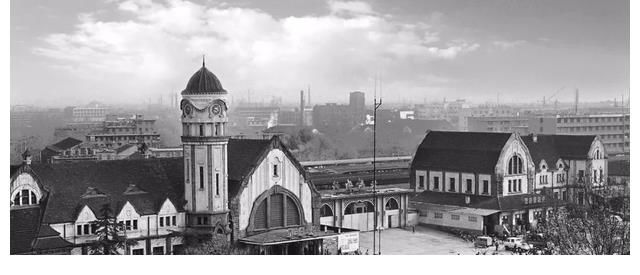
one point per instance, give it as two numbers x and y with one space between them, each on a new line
591 229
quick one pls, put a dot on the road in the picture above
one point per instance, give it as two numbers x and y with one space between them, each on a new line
425 241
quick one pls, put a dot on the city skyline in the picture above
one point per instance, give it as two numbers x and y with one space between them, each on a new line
104 50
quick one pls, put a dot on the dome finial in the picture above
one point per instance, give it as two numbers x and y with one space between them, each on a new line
203 60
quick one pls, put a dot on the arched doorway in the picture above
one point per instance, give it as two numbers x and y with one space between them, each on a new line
359 215
275 208
326 215
392 213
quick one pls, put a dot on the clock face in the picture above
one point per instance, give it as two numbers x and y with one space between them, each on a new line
187 110
215 109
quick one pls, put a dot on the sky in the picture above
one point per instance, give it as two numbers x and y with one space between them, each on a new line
72 52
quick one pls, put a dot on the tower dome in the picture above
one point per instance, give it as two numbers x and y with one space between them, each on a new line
203 82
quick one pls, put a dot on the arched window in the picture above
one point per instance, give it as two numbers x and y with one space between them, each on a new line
358 208
325 211
392 204
515 165
25 197
275 210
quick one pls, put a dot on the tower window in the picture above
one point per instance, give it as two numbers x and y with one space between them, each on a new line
217 184
201 130
275 170
217 129
201 177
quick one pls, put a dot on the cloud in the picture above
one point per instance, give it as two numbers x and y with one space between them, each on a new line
352 7
503 44
158 46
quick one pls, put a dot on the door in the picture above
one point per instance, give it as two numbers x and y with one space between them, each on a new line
389 222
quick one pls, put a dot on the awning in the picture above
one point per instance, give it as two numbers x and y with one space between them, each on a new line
282 236
464 210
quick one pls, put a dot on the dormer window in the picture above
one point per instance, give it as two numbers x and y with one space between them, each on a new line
25 197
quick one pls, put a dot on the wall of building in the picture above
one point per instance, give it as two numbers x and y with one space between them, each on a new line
438 216
263 179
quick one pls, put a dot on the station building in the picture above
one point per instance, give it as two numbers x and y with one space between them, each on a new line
497 182
253 193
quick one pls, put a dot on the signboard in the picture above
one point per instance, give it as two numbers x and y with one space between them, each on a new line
349 242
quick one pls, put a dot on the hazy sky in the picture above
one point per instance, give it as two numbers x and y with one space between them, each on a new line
74 51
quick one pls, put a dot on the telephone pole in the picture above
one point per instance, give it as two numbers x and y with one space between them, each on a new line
376 105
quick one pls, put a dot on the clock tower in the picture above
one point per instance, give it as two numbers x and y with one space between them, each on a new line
204 141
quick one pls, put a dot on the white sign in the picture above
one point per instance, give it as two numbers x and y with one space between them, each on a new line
349 242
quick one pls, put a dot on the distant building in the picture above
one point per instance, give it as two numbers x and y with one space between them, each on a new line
91 113
613 129
127 151
250 121
507 124
68 149
333 117
117 132
165 152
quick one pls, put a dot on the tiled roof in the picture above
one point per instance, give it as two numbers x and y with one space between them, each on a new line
68 182
619 168
457 199
460 151
73 185
124 147
503 203
552 147
24 228
65 144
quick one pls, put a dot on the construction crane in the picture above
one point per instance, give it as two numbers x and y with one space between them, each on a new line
544 98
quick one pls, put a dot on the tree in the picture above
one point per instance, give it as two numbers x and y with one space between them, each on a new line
591 230
108 230
216 246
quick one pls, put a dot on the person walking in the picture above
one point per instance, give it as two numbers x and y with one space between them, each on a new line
496 244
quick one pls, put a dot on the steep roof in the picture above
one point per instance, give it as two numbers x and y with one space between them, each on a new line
24 228
476 152
72 185
552 147
246 154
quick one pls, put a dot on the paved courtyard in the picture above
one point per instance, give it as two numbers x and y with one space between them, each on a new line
425 241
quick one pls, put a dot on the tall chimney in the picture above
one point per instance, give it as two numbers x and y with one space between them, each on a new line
301 108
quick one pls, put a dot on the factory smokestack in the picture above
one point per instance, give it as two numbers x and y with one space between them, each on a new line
301 108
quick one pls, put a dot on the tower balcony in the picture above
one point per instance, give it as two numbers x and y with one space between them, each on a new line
204 139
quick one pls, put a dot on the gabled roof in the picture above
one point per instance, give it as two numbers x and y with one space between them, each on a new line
475 152
65 144
68 184
24 225
554 147
245 155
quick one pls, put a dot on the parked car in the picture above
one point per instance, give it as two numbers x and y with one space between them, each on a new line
515 244
483 242
537 241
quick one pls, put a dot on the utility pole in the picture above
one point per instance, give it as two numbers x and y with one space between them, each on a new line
376 105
